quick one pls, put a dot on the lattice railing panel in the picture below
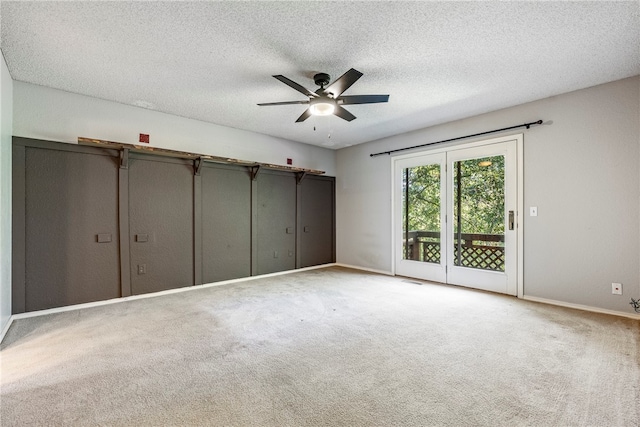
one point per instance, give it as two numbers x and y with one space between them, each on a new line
482 257
482 251
431 252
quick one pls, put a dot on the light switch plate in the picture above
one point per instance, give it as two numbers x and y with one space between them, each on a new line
533 211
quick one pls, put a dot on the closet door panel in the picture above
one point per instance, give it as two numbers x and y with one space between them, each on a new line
316 228
226 223
160 224
71 228
276 221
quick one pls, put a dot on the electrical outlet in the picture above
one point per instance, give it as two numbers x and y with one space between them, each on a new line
142 268
616 288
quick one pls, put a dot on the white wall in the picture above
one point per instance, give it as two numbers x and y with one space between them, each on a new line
581 171
54 115
6 109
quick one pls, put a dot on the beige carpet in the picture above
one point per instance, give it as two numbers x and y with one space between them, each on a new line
329 347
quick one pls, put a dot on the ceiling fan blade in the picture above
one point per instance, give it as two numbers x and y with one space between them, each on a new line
343 82
343 114
363 99
284 103
304 116
296 86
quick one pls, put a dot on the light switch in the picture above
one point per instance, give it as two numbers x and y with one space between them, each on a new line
533 211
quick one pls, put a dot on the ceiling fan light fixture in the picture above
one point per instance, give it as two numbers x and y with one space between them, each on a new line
322 106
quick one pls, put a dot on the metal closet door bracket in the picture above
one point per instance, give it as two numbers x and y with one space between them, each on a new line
124 158
254 170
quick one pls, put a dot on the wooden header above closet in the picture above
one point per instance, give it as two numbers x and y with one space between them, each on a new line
186 155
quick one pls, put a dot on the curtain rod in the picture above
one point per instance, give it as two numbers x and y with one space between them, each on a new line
527 125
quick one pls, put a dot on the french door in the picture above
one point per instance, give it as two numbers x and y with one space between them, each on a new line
455 215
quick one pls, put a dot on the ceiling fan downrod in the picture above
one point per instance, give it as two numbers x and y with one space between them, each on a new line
322 79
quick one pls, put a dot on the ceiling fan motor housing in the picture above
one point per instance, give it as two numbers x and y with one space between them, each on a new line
322 79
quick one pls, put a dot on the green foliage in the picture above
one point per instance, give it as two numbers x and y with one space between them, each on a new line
423 196
482 196
482 201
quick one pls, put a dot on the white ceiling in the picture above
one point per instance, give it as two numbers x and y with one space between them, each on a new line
213 61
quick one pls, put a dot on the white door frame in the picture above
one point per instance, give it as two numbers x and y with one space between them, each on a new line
497 281
519 214
424 270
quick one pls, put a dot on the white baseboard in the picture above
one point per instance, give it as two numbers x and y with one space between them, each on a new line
149 295
371 270
245 279
280 273
582 307
6 328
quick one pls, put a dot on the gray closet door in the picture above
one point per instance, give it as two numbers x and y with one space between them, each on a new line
160 224
226 223
316 221
276 220
71 228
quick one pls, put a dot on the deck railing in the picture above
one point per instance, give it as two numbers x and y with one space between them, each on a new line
483 251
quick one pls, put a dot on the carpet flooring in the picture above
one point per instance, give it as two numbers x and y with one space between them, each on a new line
326 347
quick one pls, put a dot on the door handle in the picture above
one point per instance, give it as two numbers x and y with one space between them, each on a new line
511 220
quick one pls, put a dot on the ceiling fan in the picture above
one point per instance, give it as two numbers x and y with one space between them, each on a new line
329 100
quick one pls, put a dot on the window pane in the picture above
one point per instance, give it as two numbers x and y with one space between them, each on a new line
478 207
421 213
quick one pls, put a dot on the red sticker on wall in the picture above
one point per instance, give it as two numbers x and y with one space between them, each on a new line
144 138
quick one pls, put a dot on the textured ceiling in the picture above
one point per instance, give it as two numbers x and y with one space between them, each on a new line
213 61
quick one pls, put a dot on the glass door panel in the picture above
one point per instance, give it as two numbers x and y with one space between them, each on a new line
421 213
478 213
481 199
